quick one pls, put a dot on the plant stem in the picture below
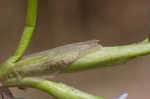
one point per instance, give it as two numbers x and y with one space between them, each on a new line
58 90
28 30
25 39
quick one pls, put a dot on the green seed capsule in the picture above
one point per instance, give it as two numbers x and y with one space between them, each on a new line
54 60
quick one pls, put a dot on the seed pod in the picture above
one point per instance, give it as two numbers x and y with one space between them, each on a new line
54 60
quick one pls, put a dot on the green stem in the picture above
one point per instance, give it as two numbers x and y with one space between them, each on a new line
58 90
26 37
28 30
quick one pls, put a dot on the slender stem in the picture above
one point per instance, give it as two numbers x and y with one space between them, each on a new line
28 30
58 90
25 39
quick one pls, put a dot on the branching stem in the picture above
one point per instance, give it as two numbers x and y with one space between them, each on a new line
28 30
25 39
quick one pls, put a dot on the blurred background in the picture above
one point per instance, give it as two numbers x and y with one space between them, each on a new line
113 22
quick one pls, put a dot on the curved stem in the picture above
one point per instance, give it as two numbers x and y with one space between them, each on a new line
58 90
25 39
28 30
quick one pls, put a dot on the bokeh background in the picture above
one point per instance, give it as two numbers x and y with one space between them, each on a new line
113 22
